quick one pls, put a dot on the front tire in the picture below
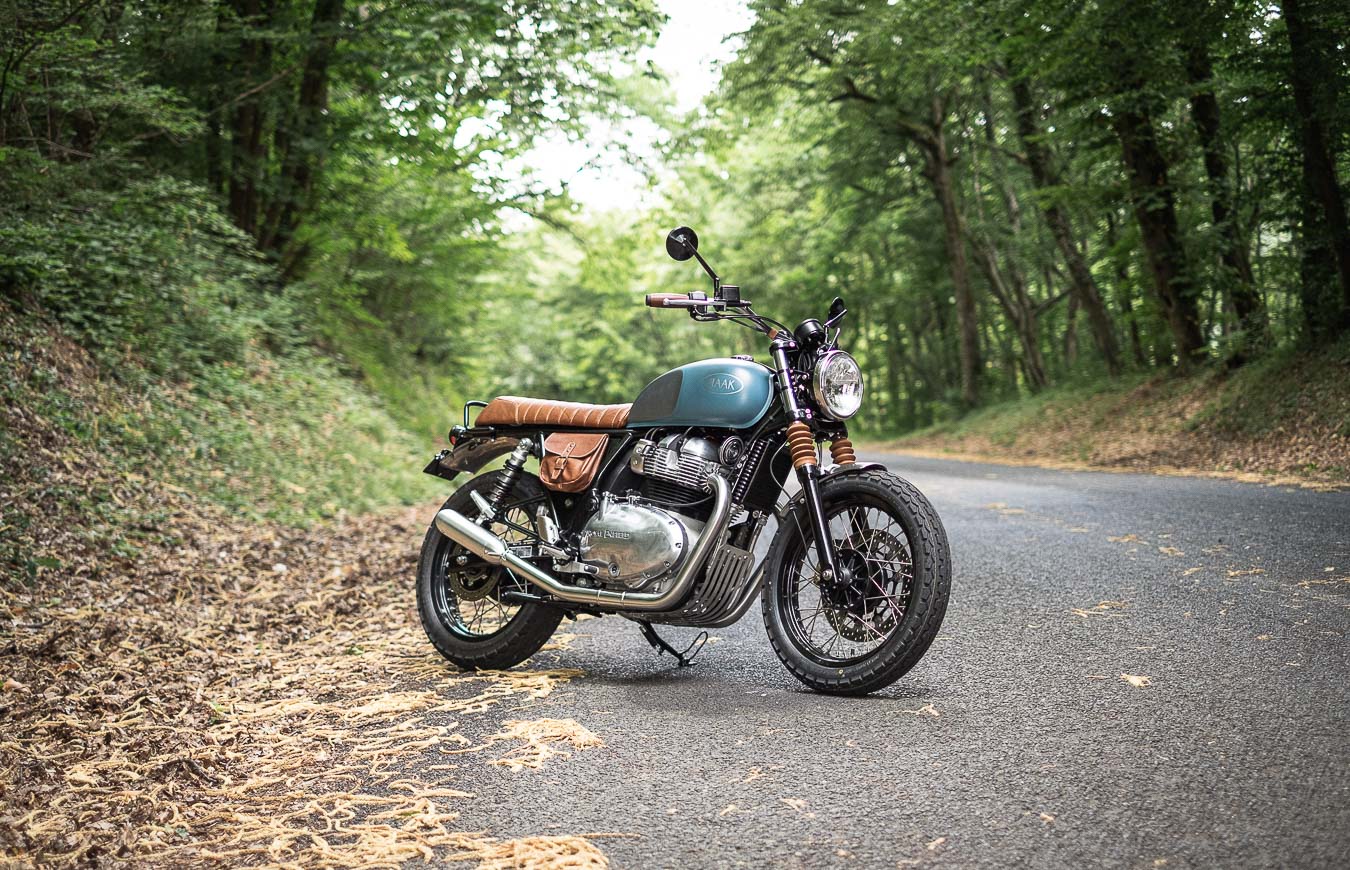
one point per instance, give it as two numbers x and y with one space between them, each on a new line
460 603
859 637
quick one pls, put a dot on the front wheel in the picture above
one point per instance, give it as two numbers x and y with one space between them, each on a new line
866 630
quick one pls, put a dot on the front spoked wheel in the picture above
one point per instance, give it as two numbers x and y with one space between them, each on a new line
867 628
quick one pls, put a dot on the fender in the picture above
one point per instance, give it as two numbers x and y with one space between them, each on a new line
828 473
469 455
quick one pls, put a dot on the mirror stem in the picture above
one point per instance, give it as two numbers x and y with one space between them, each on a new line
717 282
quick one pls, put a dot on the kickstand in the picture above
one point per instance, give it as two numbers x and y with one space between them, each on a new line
659 644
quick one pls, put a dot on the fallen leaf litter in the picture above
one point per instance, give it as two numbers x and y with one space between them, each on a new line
194 705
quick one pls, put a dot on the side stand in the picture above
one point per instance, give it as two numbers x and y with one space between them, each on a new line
659 644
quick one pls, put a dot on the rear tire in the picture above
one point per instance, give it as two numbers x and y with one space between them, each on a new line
889 616
474 629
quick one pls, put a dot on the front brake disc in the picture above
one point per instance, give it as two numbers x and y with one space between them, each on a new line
862 613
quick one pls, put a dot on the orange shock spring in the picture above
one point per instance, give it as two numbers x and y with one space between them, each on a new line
841 451
801 444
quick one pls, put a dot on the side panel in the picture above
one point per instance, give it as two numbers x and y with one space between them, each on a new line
724 393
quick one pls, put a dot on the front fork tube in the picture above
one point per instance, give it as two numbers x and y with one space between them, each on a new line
809 478
803 449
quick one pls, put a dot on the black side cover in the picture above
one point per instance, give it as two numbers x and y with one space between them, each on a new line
657 401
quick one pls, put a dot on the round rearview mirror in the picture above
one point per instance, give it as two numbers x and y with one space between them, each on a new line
681 243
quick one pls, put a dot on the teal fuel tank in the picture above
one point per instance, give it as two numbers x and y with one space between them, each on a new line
723 393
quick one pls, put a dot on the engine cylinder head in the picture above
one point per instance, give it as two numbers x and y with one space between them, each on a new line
682 461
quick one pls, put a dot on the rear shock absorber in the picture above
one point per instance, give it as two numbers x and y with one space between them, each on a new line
507 482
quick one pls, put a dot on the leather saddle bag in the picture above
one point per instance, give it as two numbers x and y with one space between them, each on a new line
571 460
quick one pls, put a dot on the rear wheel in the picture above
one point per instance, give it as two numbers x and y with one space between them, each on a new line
459 596
866 630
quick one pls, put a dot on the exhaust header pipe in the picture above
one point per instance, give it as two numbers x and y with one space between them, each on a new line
492 549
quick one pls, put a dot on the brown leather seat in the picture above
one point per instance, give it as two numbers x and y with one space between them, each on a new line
516 411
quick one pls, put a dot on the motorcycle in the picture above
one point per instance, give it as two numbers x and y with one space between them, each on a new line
652 511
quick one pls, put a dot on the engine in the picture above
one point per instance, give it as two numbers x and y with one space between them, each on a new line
639 539
674 469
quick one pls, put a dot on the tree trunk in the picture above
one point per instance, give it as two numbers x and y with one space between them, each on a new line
306 143
1021 311
1124 292
938 171
1071 333
247 154
1044 175
894 366
1240 287
1326 235
1155 210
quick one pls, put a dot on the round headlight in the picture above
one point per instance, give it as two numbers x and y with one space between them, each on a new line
838 385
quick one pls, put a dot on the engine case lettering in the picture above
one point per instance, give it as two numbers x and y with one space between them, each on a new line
639 539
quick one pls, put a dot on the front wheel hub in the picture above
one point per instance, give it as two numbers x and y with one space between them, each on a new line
858 597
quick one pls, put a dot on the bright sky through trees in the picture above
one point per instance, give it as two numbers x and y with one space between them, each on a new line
694 44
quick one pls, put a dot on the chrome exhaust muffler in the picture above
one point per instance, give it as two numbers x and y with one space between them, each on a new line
492 549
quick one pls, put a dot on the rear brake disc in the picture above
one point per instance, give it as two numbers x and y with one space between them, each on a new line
471 582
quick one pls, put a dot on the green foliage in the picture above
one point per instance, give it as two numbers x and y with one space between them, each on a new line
295 229
271 229
150 259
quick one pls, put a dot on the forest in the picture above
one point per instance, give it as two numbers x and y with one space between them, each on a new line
256 255
1009 195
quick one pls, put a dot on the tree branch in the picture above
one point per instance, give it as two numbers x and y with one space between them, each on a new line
851 92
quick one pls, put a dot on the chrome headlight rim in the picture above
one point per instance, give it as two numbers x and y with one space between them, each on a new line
818 386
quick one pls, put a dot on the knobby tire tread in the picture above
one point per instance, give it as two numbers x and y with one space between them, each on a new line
928 600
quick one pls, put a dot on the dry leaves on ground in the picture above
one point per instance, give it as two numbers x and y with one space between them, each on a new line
925 710
1100 609
193 706
541 737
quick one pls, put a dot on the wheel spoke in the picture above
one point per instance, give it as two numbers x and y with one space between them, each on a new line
857 522
871 544
486 614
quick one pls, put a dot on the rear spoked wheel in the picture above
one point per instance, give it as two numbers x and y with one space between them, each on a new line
460 597
868 627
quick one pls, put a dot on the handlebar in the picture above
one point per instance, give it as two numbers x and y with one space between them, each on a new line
669 300
684 300
701 308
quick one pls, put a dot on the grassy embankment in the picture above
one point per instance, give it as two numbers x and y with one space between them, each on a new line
108 453
1282 419
154 364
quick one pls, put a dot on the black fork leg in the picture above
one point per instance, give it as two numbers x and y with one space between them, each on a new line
809 477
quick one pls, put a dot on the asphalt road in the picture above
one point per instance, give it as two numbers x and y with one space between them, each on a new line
1016 741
